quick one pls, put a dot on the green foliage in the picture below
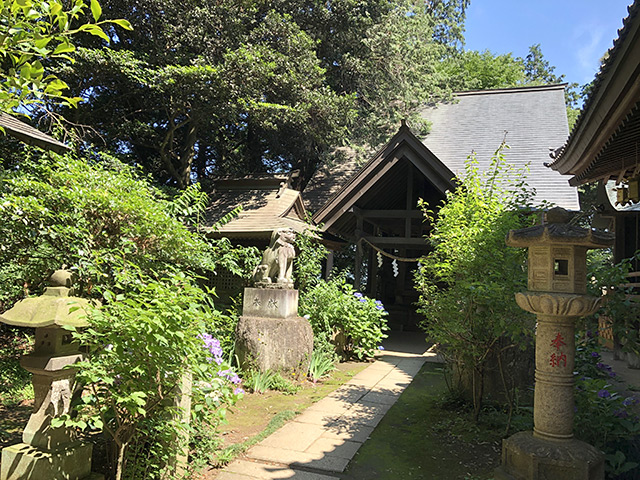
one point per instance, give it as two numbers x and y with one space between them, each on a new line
15 381
259 382
307 265
605 418
343 319
128 245
612 280
474 70
320 365
201 89
281 384
61 210
141 344
35 32
467 283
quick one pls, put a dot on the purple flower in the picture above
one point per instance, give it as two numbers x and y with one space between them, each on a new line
357 294
378 302
380 347
612 374
363 300
604 393
630 401
620 413
379 307
595 354
238 391
213 345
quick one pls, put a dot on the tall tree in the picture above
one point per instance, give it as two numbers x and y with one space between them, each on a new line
236 86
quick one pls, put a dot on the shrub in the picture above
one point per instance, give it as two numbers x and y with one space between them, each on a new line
129 247
135 369
344 319
467 283
604 417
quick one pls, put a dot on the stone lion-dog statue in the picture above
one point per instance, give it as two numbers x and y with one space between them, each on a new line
276 266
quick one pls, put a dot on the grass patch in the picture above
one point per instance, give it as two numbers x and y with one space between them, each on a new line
420 437
257 416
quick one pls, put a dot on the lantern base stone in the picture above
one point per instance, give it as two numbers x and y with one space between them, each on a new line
24 462
526 457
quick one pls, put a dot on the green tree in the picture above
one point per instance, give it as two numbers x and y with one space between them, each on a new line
468 282
474 70
34 33
207 88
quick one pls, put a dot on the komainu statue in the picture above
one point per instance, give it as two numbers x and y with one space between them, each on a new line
277 260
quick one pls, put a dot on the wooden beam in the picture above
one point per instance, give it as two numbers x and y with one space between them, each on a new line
390 213
391 241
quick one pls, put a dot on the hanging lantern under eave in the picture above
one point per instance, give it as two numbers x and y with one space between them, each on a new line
622 196
633 193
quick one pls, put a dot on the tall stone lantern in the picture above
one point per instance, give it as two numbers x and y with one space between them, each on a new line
47 452
557 295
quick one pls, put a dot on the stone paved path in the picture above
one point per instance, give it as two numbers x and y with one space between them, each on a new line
319 443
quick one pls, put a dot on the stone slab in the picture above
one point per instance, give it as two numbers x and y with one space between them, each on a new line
293 436
24 462
335 447
354 433
270 302
318 461
243 470
383 396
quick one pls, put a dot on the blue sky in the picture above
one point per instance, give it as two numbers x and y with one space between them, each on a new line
573 34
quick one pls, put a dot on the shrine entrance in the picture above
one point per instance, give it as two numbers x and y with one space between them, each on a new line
377 211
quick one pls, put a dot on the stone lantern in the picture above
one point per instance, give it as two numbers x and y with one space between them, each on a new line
557 295
48 452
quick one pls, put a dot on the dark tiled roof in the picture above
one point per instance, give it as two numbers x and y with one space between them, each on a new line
30 135
328 179
263 211
530 119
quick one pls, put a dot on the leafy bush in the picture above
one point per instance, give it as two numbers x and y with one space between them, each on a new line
135 370
308 261
604 417
343 319
61 210
467 283
281 384
612 280
129 247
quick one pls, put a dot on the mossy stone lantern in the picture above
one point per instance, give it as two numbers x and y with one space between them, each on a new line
557 295
48 452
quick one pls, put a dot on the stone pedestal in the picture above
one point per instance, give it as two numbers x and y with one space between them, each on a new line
526 456
270 335
22 461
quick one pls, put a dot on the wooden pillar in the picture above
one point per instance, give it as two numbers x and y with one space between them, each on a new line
358 266
328 265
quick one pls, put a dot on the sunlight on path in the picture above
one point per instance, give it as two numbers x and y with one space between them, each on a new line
319 443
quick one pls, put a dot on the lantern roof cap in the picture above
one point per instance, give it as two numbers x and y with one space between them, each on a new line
55 307
558 232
